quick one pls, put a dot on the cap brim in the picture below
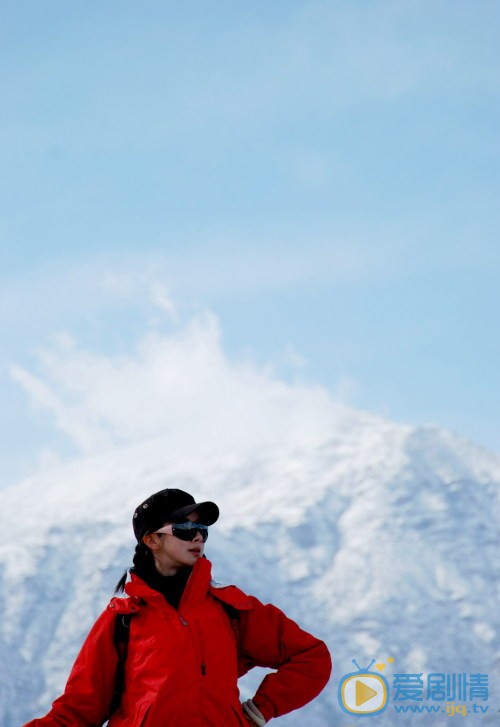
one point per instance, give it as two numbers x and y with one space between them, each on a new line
208 512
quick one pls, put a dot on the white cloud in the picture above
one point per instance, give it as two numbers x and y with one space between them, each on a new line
180 386
69 418
93 288
161 298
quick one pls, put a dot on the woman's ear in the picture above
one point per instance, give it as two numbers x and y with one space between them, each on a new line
152 541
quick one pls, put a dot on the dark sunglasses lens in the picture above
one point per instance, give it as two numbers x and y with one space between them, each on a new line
189 530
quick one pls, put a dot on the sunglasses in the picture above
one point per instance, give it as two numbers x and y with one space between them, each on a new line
185 531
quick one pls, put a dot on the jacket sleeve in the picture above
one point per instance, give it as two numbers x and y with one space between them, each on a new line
303 665
89 689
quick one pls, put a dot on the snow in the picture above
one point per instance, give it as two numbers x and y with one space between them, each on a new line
380 538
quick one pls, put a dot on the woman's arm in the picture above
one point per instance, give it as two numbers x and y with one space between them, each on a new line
269 638
89 689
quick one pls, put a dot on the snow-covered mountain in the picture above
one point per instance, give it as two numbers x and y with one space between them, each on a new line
380 538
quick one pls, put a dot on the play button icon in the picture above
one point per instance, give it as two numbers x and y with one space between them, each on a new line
363 693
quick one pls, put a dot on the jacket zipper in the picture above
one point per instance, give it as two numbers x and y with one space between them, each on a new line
203 667
202 648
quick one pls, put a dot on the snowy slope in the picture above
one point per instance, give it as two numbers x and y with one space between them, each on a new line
380 538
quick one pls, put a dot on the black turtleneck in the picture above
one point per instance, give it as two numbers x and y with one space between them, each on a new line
171 587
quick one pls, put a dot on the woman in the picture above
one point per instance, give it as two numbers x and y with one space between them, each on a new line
171 651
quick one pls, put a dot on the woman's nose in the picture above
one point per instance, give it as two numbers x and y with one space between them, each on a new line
197 537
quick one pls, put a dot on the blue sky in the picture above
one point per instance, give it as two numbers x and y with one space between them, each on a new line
322 176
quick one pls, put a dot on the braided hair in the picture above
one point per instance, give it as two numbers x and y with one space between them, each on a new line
144 566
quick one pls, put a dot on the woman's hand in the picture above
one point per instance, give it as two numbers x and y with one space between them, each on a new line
252 714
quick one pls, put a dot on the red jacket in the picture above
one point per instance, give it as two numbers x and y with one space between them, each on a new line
182 665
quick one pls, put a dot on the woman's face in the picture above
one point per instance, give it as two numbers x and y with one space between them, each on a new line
171 553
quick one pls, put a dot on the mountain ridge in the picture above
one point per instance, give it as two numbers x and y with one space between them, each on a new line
380 538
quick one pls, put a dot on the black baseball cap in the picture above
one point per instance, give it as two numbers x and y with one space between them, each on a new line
170 506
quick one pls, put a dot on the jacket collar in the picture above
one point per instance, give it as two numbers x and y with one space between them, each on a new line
196 587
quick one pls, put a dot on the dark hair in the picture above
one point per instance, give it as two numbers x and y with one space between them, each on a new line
144 566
